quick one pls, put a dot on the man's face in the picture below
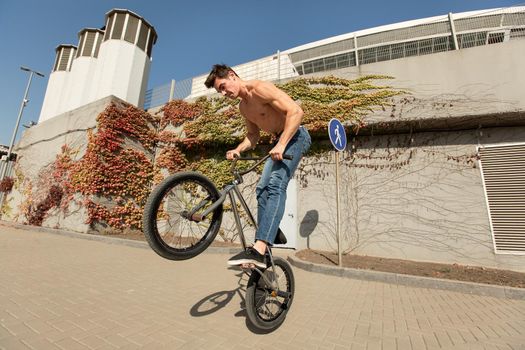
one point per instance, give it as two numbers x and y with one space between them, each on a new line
228 86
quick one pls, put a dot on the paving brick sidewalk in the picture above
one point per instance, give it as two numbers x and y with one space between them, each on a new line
58 292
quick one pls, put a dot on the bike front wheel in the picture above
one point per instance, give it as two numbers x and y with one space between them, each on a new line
268 299
167 221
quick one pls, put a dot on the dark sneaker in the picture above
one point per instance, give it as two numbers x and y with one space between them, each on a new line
249 256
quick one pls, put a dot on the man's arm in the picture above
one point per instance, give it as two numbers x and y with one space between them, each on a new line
292 112
250 141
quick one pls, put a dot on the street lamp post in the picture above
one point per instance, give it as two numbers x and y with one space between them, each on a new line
24 103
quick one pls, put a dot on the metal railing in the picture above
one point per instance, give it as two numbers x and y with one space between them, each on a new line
174 90
272 68
182 89
421 37
158 95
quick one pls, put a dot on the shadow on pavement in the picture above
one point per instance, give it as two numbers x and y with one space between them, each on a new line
218 300
212 303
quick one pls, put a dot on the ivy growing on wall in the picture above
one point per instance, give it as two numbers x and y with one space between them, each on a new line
131 150
6 185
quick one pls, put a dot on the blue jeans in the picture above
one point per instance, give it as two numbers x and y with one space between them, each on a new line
271 189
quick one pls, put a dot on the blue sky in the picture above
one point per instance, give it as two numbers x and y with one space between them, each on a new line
193 35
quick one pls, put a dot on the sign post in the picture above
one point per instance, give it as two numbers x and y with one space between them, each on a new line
337 134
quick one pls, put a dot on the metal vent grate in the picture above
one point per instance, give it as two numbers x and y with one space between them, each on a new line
514 19
98 41
473 23
517 33
503 171
64 59
118 27
131 29
339 46
403 34
143 36
89 43
107 33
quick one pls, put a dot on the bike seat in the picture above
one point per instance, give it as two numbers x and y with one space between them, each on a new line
280 238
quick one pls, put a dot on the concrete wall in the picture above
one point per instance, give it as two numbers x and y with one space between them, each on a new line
417 197
480 80
411 184
39 147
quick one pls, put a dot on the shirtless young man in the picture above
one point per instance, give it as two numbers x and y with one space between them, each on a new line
265 107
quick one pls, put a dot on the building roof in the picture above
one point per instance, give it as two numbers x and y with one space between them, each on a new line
405 24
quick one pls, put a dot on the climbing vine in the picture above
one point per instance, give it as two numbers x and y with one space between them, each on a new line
131 150
6 185
178 111
114 171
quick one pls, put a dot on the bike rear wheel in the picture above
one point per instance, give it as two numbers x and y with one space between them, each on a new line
266 308
167 226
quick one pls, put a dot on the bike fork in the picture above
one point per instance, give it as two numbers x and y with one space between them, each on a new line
273 284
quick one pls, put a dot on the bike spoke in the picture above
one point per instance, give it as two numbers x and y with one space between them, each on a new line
269 307
175 229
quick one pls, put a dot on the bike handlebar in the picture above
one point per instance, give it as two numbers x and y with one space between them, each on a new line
258 160
285 156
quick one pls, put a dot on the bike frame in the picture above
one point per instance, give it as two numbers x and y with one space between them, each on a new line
230 191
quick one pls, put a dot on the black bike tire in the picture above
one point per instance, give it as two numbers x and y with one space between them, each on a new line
251 308
150 214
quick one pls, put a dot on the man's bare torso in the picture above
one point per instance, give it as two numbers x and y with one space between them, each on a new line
262 113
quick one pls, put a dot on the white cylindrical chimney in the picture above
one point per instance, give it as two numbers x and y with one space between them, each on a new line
84 68
57 84
125 57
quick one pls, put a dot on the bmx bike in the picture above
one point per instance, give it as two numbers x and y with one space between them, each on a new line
182 217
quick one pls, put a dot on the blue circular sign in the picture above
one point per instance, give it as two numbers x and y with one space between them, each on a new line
337 134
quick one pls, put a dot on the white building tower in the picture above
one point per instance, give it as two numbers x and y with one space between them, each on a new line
84 69
58 80
125 57
114 60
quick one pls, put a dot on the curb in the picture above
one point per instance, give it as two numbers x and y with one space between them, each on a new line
107 239
501 292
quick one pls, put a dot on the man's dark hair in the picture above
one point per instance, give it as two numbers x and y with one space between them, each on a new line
218 71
